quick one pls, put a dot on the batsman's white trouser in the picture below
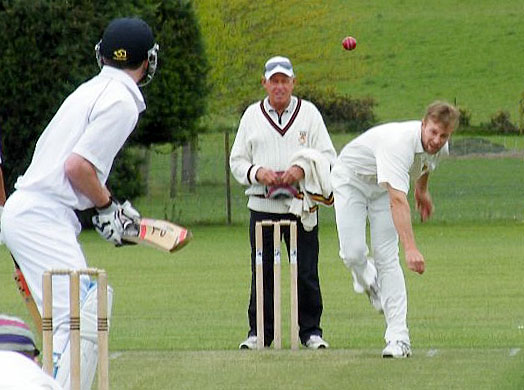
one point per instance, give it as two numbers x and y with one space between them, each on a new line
42 235
358 199
88 342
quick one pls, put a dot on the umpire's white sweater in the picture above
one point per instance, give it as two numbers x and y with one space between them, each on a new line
263 142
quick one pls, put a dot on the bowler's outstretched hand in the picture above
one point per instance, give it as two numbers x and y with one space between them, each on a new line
424 204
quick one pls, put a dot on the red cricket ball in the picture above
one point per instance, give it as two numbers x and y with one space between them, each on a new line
349 43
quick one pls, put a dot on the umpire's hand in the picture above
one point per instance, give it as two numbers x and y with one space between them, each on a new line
268 177
293 175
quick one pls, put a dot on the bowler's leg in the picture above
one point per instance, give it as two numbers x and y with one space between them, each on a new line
384 239
351 216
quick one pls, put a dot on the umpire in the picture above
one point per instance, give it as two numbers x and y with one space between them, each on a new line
270 133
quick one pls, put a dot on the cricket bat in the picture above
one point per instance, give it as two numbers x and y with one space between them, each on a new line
27 297
157 233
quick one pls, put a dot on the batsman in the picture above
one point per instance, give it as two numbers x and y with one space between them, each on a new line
68 172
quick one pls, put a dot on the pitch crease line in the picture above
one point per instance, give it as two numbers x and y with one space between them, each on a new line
115 355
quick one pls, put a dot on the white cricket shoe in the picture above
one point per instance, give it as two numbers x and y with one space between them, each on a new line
373 293
316 342
249 343
397 349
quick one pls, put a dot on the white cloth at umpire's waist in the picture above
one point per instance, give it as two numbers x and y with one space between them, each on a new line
315 186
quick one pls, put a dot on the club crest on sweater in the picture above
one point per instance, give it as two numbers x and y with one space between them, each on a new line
302 137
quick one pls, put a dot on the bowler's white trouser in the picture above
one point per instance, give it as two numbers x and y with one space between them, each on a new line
358 199
42 235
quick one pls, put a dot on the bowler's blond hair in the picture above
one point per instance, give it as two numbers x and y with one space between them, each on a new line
443 113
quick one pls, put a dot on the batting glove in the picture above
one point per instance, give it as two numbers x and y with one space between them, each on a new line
113 220
130 218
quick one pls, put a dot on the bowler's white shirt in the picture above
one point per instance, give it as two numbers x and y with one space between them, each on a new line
18 372
390 153
93 122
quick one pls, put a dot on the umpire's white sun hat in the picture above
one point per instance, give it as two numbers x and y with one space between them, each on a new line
278 64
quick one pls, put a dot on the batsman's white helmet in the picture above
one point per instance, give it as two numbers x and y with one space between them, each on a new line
126 43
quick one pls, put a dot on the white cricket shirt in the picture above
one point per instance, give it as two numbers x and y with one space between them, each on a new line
94 122
18 372
390 153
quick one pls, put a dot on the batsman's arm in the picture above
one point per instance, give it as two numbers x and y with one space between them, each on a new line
82 175
401 215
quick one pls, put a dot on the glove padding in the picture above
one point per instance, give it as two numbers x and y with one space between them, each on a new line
112 221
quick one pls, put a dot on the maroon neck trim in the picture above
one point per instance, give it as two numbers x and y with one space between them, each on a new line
282 131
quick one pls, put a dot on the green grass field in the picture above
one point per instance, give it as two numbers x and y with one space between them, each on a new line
178 318
471 188
408 52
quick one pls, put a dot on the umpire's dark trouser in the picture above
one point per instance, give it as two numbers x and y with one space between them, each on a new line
309 296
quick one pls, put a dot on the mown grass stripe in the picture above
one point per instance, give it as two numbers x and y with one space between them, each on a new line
432 353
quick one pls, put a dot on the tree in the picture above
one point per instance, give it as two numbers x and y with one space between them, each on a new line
180 88
178 92
46 51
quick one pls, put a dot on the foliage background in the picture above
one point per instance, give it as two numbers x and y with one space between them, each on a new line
408 52
47 50
178 319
